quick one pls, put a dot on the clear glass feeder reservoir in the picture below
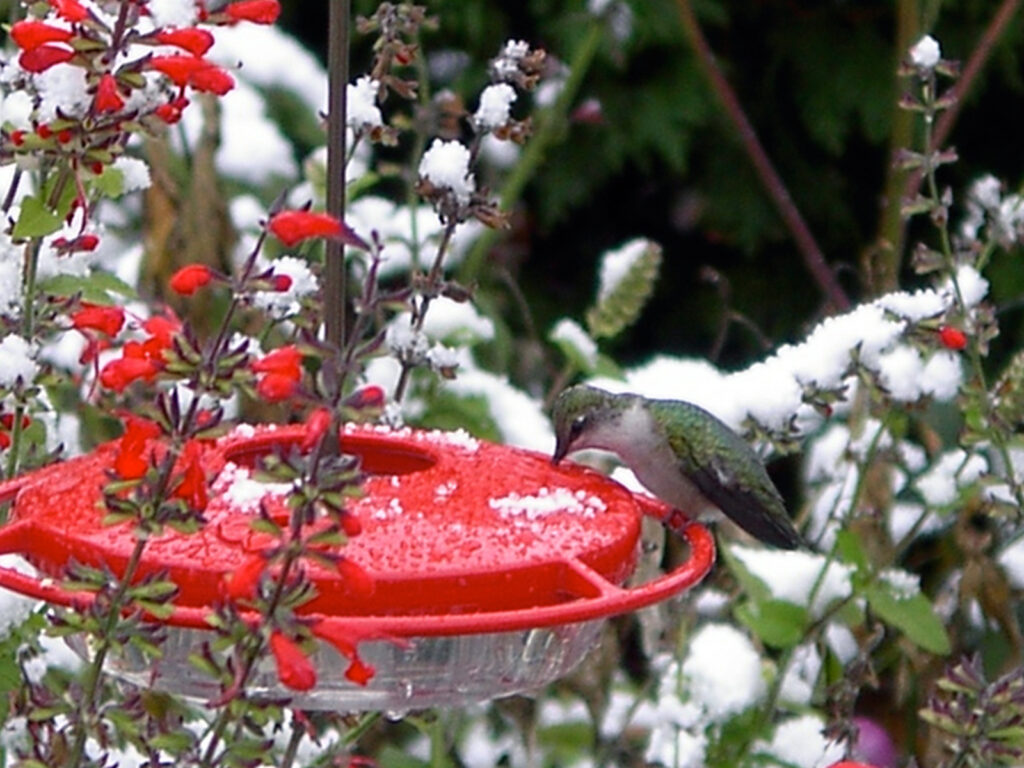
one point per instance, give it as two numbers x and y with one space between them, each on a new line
492 571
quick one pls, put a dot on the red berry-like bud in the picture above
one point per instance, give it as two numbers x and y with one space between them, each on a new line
952 338
107 97
190 279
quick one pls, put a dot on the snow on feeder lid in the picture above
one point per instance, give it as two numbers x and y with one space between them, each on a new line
492 570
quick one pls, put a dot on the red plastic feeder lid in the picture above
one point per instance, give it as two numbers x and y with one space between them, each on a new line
458 535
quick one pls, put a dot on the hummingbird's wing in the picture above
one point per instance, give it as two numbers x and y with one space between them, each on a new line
728 472
760 513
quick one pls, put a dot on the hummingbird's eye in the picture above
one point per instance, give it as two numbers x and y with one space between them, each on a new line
577 426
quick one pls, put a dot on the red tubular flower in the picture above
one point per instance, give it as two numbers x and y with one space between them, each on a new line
292 227
275 387
294 669
285 361
192 39
190 279
107 97
29 34
170 113
45 56
256 11
108 320
952 338
281 283
212 79
317 424
162 328
118 374
192 488
131 463
241 583
371 396
178 68
71 10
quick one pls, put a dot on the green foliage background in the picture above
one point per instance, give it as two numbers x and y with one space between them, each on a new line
818 80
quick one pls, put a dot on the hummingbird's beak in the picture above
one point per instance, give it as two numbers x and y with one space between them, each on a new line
561 449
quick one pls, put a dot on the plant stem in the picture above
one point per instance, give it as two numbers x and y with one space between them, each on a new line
94 672
997 26
338 76
812 255
550 129
881 264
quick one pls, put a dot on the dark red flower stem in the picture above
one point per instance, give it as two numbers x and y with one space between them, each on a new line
812 255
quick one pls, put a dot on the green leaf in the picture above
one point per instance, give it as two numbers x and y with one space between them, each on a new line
914 616
110 183
579 349
35 220
621 297
776 622
851 549
95 287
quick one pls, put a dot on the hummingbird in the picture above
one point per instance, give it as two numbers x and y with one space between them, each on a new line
680 453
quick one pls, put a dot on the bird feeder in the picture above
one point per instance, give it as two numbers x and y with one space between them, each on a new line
492 571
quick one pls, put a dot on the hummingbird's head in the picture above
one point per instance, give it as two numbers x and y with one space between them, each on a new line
584 416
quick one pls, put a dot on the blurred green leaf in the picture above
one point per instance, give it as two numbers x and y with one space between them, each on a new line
914 616
775 622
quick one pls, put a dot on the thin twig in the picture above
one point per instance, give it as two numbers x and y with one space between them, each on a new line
812 255
975 63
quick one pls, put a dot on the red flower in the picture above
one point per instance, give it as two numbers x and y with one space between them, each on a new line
281 283
212 79
241 583
317 424
192 39
257 11
6 425
29 34
194 71
274 387
130 463
107 97
161 329
294 669
118 374
192 488
286 361
952 338
292 227
170 113
108 320
371 396
72 10
191 278
282 369
178 67
45 56
350 524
